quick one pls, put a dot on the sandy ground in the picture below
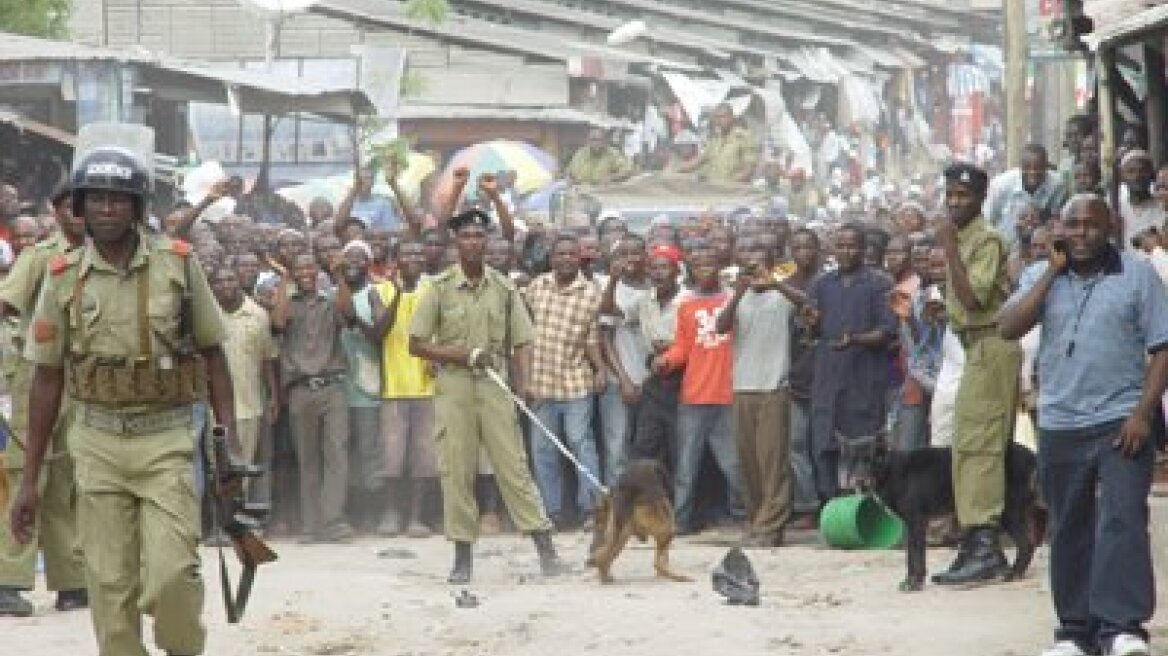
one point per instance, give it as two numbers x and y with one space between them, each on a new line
349 600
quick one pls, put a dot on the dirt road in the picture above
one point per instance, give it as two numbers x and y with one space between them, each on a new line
348 600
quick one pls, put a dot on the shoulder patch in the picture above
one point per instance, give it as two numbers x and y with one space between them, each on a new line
43 331
59 264
180 247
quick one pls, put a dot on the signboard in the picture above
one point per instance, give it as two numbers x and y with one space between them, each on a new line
1043 27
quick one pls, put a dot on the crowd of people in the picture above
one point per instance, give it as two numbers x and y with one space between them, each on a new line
935 315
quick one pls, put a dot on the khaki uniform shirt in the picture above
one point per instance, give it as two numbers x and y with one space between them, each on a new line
19 288
726 156
249 344
598 169
452 312
107 323
985 256
19 291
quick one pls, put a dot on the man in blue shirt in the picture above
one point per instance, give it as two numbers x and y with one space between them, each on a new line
1103 361
374 210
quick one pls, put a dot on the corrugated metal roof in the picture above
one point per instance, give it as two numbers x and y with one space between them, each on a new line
878 56
1112 25
456 29
259 86
565 115
487 35
694 39
909 57
699 16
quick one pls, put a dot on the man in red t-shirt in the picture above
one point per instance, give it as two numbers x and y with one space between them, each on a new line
707 393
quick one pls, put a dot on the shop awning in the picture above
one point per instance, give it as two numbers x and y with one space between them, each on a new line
251 91
1115 28
25 124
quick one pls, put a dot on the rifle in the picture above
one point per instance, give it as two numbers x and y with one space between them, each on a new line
238 519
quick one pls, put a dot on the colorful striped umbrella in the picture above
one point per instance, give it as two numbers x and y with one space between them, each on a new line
534 168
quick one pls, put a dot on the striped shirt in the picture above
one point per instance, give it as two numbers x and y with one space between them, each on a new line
566 325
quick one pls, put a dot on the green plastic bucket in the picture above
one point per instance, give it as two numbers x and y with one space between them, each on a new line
859 522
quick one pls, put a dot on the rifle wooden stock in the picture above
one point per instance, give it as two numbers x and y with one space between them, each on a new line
231 513
249 548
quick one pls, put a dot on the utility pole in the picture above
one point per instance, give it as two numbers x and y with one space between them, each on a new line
1017 55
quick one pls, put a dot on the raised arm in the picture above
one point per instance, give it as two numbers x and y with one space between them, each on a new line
182 229
346 206
410 214
280 302
489 187
461 175
1020 315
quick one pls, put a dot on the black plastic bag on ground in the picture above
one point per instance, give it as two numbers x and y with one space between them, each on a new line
734 579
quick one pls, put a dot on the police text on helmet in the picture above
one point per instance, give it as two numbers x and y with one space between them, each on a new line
109 169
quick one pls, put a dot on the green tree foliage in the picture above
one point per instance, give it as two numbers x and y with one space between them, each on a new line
433 11
47 18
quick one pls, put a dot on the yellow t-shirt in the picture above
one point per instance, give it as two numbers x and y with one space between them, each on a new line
405 376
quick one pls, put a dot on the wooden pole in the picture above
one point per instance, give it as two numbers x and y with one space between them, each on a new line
1017 56
1105 71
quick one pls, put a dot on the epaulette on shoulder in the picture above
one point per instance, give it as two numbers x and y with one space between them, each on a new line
59 264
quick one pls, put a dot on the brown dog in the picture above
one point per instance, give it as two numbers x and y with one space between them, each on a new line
638 505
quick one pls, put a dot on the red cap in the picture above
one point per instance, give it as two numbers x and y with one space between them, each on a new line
670 253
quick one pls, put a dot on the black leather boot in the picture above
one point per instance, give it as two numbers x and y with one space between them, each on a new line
963 549
12 604
549 563
460 574
985 561
72 600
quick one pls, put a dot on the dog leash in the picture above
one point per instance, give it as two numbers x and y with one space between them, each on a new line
546 431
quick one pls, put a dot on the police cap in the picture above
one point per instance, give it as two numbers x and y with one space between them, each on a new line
967 174
473 216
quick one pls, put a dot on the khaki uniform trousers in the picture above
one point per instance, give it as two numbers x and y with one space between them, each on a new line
473 413
138 516
983 426
55 532
762 429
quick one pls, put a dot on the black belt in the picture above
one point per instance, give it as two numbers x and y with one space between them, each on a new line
318 382
968 336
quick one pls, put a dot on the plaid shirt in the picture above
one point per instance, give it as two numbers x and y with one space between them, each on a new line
566 324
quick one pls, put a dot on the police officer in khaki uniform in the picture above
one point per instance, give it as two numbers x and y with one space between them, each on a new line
127 324
598 163
729 154
977 288
55 533
466 320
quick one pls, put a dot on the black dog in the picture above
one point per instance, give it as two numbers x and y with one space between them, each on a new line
918 486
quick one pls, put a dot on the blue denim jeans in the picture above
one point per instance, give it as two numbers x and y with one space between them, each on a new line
806 497
1101 578
616 428
697 426
910 426
571 421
